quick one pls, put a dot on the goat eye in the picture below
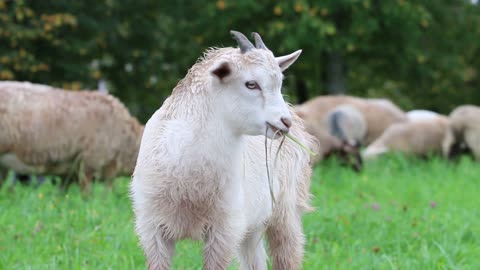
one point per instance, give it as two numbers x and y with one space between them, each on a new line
251 85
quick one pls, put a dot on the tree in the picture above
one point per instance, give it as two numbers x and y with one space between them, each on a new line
420 54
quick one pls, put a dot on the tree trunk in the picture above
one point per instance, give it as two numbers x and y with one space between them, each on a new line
335 74
301 89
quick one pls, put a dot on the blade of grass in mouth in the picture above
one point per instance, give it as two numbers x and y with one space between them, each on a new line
300 144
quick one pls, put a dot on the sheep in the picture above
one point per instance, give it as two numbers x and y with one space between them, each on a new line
84 134
378 115
348 124
348 127
465 132
419 137
415 115
327 143
201 171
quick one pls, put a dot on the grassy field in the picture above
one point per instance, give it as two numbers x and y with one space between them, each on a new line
396 214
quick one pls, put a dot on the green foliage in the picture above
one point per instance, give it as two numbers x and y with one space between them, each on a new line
421 54
397 214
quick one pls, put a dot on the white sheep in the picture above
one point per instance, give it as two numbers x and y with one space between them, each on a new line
201 171
45 130
465 130
378 115
419 137
348 127
415 115
347 124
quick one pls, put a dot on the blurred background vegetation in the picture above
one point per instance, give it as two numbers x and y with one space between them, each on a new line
421 54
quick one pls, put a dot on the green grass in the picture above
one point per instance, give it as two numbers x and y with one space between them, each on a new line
397 214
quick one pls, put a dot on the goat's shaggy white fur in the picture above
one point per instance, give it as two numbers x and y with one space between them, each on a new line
200 176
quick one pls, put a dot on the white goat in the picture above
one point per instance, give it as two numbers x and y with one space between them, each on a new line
199 175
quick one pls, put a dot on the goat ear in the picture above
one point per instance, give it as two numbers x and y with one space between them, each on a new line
285 61
221 70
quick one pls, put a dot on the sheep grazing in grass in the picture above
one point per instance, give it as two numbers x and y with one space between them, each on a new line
347 125
378 114
201 170
76 135
465 132
420 137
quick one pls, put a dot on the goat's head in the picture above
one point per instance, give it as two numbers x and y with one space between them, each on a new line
249 82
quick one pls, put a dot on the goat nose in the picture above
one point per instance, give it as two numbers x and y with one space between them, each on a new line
287 122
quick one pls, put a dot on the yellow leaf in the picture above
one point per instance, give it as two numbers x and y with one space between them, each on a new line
324 12
330 30
76 86
424 23
199 39
298 7
43 67
28 12
19 15
221 4
277 10
4 60
279 25
6 75
96 74
47 27
421 59
351 47
58 20
366 4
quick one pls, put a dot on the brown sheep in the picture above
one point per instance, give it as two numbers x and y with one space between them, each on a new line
44 130
378 115
419 137
465 130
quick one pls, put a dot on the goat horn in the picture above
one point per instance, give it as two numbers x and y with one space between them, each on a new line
258 41
243 42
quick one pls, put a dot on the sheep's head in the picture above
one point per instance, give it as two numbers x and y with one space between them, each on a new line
249 82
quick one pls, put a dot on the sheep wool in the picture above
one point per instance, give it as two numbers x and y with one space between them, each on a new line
45 130
420 137
465 129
